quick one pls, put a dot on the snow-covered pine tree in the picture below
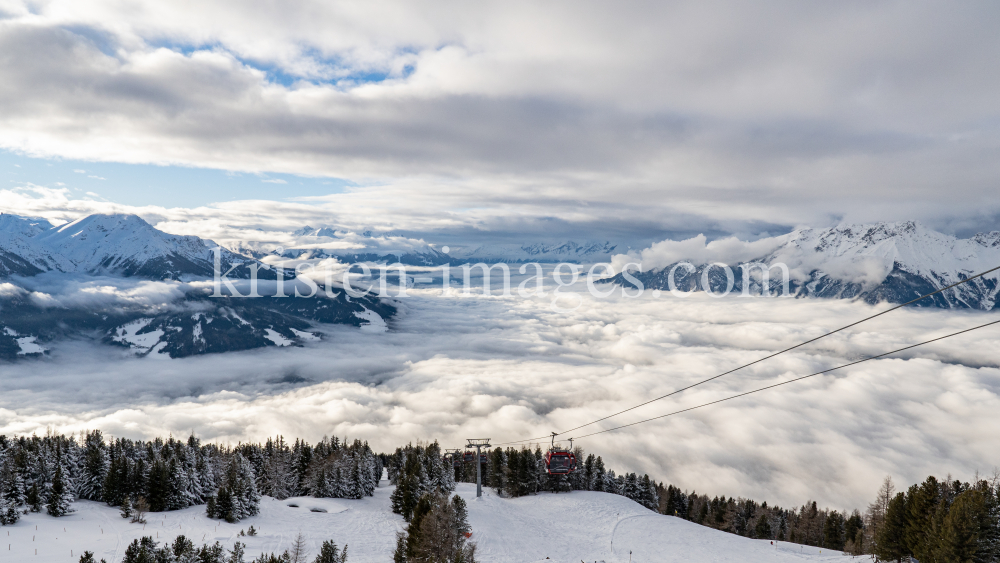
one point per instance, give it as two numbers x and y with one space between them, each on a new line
329 553
59 497
588 473
95 466
242 484
8 512
600 476
461 515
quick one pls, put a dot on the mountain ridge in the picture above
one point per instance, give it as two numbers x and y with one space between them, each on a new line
891 262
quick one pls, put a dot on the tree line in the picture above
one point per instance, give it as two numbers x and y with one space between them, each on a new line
934 521
50 472
183 550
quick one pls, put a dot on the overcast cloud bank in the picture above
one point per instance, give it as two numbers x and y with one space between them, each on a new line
517 117
512 368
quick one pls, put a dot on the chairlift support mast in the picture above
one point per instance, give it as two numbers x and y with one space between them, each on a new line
479 443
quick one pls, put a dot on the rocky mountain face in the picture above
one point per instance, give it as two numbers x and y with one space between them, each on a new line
84 279
881 262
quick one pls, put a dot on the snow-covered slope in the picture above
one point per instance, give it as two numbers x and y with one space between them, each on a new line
564 528
20 251
538 252
892 262
129 246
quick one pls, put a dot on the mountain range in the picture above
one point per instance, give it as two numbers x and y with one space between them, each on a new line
119 280
879 262
368 246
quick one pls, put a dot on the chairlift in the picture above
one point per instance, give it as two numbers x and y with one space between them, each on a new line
469 456
559 461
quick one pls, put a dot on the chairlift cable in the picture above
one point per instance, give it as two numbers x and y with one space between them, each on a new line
744 394
789 349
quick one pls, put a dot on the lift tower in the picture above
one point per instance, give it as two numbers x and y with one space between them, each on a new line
479 443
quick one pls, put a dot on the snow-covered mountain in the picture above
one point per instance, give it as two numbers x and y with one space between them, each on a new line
892 262
71 281
20 251
568 251
116 244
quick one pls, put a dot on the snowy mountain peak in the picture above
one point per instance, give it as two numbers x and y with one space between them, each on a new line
24 226
876 262
120 244
126 244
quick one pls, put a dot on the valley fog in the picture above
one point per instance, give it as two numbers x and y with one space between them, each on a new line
458 366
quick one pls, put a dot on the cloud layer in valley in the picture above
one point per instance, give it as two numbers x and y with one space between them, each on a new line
511 369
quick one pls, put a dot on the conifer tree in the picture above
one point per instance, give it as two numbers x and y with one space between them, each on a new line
599 475
8 512
34 498
95 466
126 510
890 545
461 515
58 498
329 553
959 538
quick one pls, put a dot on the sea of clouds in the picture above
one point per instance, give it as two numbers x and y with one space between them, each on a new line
455 367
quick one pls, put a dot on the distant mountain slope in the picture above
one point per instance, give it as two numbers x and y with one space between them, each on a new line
21 253
892 262
568 251
196 324
116 244
99 252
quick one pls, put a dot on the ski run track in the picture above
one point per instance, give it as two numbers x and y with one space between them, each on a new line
551 528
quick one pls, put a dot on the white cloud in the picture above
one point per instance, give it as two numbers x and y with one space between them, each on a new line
274 181
509 369
641 115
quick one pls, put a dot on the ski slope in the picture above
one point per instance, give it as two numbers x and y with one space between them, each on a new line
564 528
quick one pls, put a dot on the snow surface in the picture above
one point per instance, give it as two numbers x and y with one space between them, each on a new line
29 346
127 334
375 322
566 528
277 338
306 336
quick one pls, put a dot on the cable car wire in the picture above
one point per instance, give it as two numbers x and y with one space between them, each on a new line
778 353
744 394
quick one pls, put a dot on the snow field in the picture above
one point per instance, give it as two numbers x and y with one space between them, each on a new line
565 528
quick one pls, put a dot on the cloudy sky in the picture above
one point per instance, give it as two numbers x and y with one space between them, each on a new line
520 122
640 122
